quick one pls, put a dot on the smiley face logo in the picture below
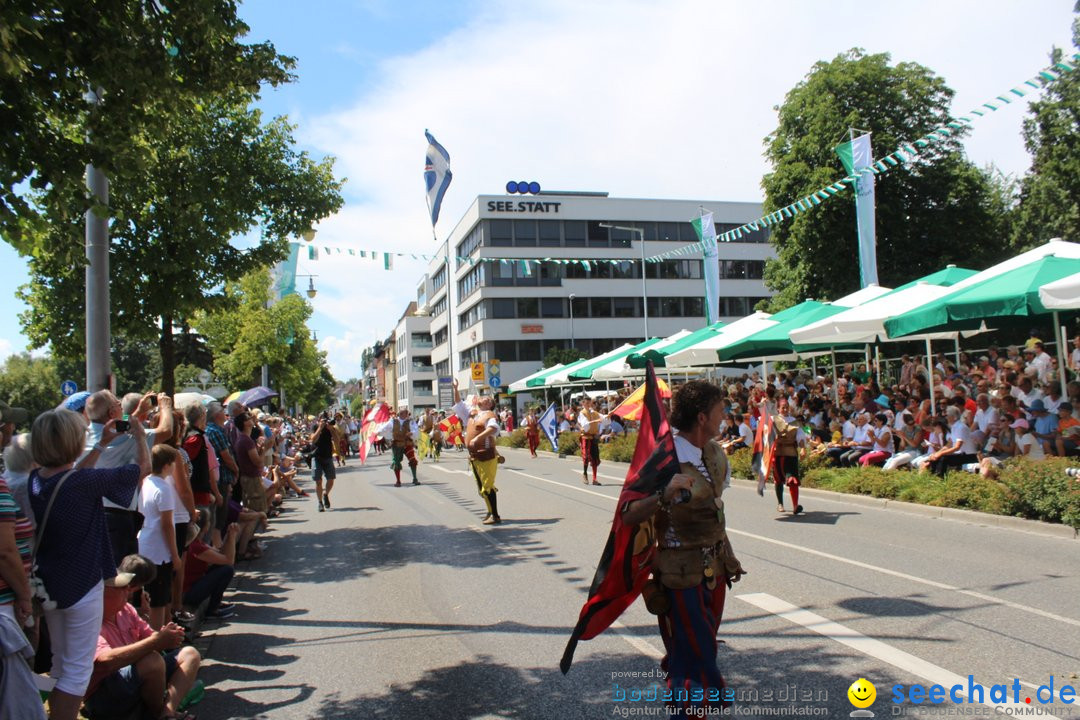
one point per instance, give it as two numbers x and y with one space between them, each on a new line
862 693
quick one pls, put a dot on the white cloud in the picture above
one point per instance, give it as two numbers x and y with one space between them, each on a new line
5 349
343 354
639 99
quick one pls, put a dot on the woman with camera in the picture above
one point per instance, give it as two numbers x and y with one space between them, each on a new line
694 563
73 556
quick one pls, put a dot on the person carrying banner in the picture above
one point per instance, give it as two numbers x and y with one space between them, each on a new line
400 431
785 461
481 430
589 422
694 563
532 431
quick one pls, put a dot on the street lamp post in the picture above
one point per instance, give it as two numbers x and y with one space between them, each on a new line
571 321
644 292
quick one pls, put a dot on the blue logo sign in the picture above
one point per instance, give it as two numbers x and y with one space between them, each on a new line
523 187
68 388
495 381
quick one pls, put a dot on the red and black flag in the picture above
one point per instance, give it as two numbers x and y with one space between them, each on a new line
627 559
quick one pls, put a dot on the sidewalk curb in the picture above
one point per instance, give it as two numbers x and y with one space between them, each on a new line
973 517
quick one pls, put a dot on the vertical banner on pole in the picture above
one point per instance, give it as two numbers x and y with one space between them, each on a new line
706 232
857 158
283 275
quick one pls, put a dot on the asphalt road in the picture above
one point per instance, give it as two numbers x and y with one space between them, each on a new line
398 603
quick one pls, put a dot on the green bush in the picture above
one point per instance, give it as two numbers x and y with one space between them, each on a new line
620 449
1040 490
516 439
740 463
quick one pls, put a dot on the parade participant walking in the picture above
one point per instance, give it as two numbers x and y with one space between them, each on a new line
589 422
789 438
401 432
323 459
532 431
481 431
695 563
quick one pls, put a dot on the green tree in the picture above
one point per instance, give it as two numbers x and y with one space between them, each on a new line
1050 192
563 355
939 209
216 174
152 60
247 334
31 383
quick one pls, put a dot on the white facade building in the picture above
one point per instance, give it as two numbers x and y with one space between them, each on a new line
416 379
503 313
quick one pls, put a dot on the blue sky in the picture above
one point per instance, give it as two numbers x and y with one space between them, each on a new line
641 99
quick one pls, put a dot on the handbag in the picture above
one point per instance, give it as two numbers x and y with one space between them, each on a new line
41 599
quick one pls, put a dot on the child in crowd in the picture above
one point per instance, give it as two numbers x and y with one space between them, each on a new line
157 539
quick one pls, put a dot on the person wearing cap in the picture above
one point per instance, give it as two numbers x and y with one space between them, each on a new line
1067 438
10 417
1043 424
77 403
136 666
1026 444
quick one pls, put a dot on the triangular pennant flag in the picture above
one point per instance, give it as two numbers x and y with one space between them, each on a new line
388 261
312 252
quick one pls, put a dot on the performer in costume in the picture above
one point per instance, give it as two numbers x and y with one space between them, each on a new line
341 440
437 438
480 434
532 431
426 427
454 435
589 422
400 431
694 564
789 438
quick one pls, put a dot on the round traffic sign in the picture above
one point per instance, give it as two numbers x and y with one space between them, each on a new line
495 381
68 388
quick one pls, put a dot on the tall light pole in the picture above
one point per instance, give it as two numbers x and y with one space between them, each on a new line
644 293
571 321
98 341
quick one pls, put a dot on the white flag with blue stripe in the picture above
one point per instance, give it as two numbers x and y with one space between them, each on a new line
437 176
549 423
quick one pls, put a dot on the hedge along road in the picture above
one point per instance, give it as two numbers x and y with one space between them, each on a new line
398 603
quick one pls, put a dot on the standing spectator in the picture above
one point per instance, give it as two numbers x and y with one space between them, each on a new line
207 496
9 418
227 468
74 555
101 407
157 539
249 462
323 458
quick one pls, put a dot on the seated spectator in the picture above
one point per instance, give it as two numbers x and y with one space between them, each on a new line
136 666
1043 425
1026 444
74 555
209 572
881 437
1067 439
910 437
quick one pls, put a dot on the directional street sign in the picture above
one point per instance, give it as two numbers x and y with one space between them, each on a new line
68 388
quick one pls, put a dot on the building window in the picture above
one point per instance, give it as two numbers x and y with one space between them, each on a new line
439 307
529 350
504 350
550 233
473 315
469 245
621 238
667 231
438 279
601 307
442 368
598 235
552 308
440 336
502 233
575 271
627 307
736 306
550 273
581 307
576 231
523 278
524 233
501 275
502 308
472 280
625 270
693 307
528 308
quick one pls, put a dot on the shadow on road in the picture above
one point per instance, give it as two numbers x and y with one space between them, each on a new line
815 517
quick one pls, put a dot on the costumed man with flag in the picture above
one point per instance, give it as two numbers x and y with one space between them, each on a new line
532 431
400 431
589 422
670 524
482 427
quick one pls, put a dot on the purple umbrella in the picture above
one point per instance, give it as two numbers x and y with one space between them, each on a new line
256 395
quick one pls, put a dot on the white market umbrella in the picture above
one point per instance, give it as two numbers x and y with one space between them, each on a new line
1063 294
704 353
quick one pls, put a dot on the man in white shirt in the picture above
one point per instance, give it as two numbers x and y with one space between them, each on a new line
481 429
589 422
1038 358
986 418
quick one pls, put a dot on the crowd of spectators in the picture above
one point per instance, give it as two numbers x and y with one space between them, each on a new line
121 524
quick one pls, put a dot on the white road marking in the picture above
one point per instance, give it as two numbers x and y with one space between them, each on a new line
849 561
844 635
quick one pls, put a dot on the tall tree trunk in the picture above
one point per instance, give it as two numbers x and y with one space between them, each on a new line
168 356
